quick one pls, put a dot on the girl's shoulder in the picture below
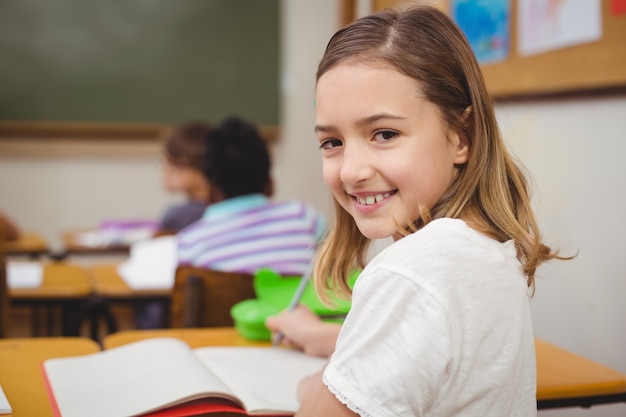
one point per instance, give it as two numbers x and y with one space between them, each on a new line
448 231
444 241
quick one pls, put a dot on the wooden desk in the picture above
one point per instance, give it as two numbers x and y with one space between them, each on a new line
61 281
73 246
110 285
29 243
214 336
563 378
20 370
62 285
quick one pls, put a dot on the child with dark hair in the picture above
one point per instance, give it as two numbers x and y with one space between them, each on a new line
229 223
242 230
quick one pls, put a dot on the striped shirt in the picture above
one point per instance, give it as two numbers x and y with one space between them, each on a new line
246 233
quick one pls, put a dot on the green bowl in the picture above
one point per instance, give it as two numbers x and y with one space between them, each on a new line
249 317
278 291
274 294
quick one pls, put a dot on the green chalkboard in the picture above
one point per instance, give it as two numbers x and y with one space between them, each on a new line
139 61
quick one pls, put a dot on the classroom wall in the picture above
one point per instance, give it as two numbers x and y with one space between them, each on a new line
309 25
50 194
572 147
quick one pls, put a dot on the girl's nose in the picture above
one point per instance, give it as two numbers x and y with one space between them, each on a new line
356 164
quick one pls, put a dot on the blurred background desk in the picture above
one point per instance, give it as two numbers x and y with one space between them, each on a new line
110 285
29 244
63 285
109 289
74 244
20 370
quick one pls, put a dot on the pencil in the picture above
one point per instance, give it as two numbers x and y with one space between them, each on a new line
295 300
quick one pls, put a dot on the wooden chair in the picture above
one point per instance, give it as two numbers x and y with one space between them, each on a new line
203 297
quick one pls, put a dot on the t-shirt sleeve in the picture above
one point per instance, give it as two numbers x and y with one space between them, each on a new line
178 217
392 355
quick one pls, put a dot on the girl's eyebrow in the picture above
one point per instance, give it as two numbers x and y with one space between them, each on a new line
323 128
379 116
363 122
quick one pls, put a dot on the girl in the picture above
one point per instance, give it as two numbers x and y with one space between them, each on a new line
440 322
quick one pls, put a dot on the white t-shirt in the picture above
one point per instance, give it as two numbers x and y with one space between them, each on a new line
439 326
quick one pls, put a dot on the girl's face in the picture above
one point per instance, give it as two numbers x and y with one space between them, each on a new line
384 149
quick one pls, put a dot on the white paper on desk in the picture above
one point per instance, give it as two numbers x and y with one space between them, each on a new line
91 239
152 264
21 274
5 407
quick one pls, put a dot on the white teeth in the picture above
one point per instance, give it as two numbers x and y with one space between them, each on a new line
371 199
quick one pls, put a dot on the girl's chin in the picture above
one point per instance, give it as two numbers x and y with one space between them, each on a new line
375 233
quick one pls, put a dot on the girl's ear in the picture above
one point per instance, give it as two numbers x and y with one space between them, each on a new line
462 149
461 140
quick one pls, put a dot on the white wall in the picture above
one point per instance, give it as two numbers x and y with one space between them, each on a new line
50 194
573 149
306 28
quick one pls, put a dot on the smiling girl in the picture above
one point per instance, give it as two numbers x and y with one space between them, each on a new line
440 322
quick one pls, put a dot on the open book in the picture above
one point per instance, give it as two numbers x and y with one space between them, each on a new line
165 377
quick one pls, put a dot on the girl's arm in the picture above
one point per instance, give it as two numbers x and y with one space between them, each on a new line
316 400
302 328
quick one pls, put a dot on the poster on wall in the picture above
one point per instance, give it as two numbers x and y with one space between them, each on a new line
486 24
546 25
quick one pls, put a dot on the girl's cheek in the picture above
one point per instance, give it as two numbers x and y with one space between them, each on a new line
328 173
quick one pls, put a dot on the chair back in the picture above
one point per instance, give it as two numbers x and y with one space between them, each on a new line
203 297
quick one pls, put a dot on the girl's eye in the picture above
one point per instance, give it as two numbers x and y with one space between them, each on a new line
330 143
385 135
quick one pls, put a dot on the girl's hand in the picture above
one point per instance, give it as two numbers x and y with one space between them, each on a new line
304 330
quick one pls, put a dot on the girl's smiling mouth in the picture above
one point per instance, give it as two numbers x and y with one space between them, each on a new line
371 199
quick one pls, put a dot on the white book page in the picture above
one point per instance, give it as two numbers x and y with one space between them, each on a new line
264 379
129 380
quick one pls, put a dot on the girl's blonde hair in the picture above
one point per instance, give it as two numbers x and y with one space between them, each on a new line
426 45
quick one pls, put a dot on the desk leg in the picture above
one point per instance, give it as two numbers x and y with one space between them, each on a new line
36 323
94 309
49 309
